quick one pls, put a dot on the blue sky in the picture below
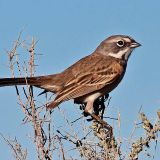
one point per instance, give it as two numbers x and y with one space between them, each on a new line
69 30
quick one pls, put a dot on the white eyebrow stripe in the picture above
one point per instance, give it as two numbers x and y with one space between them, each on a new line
127 39
117 39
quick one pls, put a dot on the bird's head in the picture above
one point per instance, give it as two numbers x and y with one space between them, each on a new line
118 46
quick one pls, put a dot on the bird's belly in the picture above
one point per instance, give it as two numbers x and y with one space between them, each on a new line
91 97
88 97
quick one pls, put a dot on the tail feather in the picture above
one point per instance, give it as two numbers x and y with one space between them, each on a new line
53 104
50 83
19 81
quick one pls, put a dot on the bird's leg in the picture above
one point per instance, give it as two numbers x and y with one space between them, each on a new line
89 110
89 107
101 121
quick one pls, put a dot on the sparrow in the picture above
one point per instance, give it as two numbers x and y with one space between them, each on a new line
89 78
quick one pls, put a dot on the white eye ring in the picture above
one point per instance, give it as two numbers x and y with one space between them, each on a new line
120 43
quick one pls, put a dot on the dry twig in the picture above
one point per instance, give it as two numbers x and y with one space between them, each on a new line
143 142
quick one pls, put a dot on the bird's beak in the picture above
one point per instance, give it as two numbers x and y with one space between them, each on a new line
135 44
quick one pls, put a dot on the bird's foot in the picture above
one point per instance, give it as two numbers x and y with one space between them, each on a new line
101 121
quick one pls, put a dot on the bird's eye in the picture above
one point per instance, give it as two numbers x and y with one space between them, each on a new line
120 43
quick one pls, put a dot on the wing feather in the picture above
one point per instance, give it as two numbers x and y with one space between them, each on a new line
86 84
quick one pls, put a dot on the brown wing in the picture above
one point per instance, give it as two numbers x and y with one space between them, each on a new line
90 82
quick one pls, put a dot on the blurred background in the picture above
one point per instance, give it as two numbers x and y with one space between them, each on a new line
69 30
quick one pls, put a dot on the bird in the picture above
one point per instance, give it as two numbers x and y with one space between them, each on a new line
89 78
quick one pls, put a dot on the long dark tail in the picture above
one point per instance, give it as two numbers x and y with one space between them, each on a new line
20 81
50 83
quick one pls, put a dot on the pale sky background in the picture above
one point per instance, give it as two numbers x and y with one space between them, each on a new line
68 30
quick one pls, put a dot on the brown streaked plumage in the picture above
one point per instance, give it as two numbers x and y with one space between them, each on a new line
89 78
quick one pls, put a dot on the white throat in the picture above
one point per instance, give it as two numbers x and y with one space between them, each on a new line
122 54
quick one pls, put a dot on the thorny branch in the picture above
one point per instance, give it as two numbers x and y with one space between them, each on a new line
18 152
105 145
30 109
151 134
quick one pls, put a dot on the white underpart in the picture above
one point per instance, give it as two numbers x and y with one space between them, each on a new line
119 55
92 97
90 101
